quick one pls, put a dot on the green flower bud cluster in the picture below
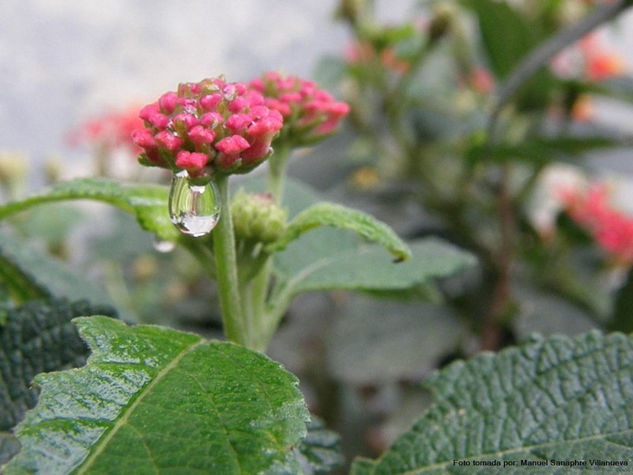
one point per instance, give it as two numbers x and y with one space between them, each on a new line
257 217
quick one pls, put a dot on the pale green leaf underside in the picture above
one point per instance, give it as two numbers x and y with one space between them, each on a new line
153 400
371 267
341 217
553 399
147 202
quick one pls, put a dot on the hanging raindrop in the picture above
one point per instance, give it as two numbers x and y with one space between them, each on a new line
163 246
194 209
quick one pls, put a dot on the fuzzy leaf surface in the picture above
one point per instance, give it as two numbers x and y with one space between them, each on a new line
341 217
147 202
559 398
37 337
152 399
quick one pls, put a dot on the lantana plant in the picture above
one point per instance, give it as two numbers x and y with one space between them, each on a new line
150 399
258 243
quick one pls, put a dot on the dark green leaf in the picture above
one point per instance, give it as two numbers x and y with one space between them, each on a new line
622 318
506 35
320 451
552 399
151 399
32 274
37 337
9 446
541 150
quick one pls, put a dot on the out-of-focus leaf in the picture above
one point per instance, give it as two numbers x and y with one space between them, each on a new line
378 341
541 150
547 314
32 274
558 399
320 450
151 399
506 35
622 318
36 338
9 446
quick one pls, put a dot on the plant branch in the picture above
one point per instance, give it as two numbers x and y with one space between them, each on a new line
546 51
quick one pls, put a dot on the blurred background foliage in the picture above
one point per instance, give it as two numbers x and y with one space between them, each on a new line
537 190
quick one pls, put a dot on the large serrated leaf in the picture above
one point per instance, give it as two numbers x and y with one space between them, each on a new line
341 217
147 202
30 274
151 399
37 337
552 399
366 267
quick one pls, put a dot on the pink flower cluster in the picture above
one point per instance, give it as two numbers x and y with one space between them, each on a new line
612 229
109 131
309 113
208 127
590 58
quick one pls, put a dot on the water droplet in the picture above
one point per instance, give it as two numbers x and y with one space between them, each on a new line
163 246
194 209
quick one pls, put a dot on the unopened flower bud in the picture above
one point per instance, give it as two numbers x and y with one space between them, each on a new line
257 217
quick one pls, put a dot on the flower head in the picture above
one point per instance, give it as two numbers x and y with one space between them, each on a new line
109 131
611 228
208 127
309 113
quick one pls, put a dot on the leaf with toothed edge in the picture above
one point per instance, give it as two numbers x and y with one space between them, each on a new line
152 399
558 398
37 337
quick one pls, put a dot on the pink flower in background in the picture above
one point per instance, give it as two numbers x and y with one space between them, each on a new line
208 127
309 113
481 80
611 228
589 58
108 131
362 53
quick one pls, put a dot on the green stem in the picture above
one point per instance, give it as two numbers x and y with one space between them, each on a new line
277 165
262 325
226 268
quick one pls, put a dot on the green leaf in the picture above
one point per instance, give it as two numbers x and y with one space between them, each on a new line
341 217
559 398
541 150
147 202
37 337
151 399
30 274
336 264
9 446
506 35
320 450
377 342
622 318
